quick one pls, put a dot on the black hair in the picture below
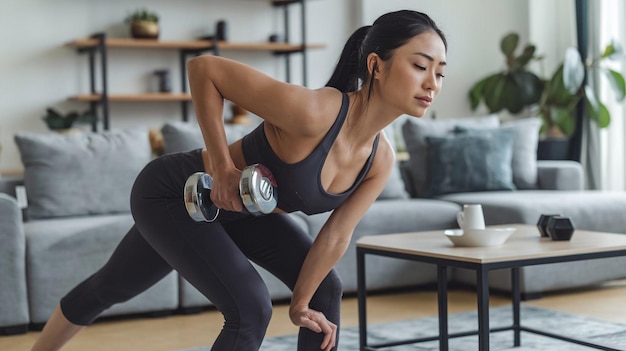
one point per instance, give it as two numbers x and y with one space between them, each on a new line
388 32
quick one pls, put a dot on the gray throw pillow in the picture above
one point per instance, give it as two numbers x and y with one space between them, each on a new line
415 132
181 136
525 143
467 162
395 187
83 173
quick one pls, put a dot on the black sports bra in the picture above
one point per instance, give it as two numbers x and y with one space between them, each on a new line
299 184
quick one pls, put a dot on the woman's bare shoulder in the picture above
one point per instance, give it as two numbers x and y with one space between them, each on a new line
311 112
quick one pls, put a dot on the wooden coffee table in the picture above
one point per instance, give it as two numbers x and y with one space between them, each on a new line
525 248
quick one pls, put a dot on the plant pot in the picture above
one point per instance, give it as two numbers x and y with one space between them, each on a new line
144 30
553 149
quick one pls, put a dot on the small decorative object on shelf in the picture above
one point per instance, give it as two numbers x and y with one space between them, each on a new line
65 123
240 115
274 38
157 143
221 31
163 80
144 24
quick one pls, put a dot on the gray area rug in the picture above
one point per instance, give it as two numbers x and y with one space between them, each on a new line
612 335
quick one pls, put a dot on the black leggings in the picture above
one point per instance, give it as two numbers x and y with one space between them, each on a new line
214 257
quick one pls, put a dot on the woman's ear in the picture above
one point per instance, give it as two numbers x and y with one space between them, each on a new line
373 64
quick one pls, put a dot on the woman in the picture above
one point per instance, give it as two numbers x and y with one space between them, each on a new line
327 152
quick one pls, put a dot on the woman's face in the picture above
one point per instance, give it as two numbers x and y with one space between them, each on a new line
412 78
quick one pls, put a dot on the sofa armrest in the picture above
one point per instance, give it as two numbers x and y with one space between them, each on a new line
13 295
8 184
560 175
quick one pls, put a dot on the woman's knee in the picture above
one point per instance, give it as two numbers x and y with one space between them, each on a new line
251 318
258 316
331 286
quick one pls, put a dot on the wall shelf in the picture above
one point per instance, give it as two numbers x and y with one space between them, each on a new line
97 47
205 45
147 97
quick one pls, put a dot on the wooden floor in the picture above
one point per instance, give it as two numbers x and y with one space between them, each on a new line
187 331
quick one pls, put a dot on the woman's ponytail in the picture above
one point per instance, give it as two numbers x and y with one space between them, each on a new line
345 78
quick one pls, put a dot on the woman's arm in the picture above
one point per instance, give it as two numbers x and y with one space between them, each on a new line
290 107
332 242
293 109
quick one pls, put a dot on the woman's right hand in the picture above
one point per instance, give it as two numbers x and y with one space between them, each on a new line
225 189
303 316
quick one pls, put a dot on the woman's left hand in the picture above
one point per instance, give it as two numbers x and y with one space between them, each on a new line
303 316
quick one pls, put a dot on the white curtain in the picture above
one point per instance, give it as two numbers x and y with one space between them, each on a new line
613 139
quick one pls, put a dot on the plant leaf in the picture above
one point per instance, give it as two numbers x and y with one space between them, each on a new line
556 94
529 86
573 70
508 44
564 120
87 117
604 119
612 51
493 91
476 93
596 110
617 83
526 56
511 96
592 101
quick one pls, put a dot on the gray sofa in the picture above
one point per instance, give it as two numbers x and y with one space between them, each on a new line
59 242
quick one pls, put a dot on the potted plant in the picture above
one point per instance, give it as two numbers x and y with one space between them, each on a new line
514 88
555 99
144 24
64 123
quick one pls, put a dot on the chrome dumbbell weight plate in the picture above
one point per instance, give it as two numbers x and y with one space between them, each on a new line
197 195
258 189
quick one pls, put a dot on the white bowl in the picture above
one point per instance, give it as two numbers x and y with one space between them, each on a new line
479 237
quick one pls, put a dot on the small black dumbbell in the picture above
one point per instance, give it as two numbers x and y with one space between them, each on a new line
560 228
542 224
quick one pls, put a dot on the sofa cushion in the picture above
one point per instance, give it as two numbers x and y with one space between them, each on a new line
81 173
395 187
415 132
524 162
470 161
61 252
184 136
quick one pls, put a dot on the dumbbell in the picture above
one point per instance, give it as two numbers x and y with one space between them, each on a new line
257 189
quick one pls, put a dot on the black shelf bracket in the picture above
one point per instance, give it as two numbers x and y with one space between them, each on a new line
302 50
91 51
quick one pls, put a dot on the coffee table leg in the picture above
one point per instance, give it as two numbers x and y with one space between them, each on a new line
442 302
515 287
361 297
482 276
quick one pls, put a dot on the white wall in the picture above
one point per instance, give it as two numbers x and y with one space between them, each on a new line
37 71
554 30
